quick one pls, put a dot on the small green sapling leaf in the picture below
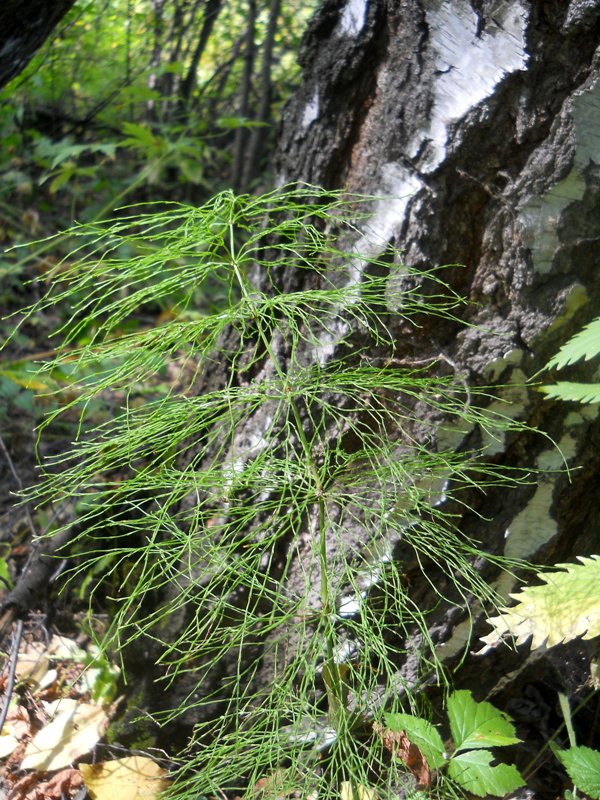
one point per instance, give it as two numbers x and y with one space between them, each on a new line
473 771
476 725
583 767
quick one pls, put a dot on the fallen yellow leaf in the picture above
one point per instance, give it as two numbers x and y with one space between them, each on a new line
133 778
73 731
65 648
16 727
32 663
350 792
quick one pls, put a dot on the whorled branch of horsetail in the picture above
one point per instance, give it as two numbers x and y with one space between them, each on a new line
331 671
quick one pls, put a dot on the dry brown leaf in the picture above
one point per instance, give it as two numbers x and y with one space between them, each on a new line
64 784
398 743
33 663
74 730
22 786
132 778
276 785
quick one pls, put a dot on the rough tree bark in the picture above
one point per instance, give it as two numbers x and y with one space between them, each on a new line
479 121
24 27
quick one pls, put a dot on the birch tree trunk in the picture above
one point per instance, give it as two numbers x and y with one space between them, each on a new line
477 123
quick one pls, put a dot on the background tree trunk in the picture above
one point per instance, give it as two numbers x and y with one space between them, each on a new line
478 122
241 136
259 135
24 27
211 13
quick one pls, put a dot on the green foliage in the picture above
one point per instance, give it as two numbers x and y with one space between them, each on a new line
473 771
5 578
572 391
584 345
304 455
101 676
583 767
566 606
475 727
115 103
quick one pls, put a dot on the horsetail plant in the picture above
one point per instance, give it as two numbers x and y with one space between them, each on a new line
254 518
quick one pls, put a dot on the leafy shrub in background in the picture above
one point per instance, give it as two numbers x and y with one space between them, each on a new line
302 454
130 94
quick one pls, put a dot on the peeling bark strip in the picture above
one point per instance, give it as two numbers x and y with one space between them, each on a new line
24 27
479 124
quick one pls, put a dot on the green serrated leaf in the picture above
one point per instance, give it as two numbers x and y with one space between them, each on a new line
67 170
583 767
143 140
475 725
473 771
138 134
68 152
577 392
422 733
566 606
585 344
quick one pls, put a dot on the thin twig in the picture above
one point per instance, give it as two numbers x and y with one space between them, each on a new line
11 466
14 652
19 483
